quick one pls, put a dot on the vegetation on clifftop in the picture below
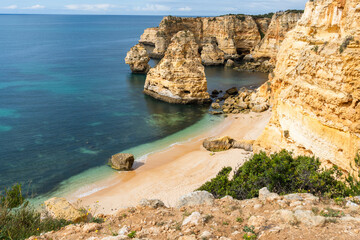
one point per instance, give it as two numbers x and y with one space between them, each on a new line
283 174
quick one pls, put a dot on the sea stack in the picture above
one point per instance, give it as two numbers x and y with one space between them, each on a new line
179 77
315 86
138 59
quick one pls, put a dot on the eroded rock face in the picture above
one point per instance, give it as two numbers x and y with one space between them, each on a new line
211 53
138 59
234 33
60 208
315 86
263 57
281 23
179 77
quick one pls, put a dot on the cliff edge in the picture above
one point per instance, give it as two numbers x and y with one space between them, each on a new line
315 87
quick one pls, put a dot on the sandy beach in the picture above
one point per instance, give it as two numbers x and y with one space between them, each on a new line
180 169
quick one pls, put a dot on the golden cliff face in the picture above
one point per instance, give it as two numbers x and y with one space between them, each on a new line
315 88
281 23
233 33
179 77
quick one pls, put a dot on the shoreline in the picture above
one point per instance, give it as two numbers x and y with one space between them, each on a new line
176 170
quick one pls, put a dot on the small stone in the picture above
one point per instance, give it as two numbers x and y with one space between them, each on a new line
308 217
257 221
123 231
351 204
265 194
153 203
294 204
257 206
215 105
193 219
206 235
91 227
232 91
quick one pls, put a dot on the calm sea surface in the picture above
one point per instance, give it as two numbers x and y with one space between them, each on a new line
68 101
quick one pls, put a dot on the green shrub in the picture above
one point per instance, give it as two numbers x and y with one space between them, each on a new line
283 174
345 43
19 221
132 234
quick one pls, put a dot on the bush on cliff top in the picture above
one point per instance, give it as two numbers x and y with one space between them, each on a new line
283 174
19 221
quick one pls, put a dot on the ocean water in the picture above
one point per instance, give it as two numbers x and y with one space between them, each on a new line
68 101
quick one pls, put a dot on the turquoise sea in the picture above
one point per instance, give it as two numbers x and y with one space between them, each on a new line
68 101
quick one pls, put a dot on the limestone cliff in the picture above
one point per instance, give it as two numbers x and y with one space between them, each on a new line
211 53
138 59
315 87
281 23
179 77
263 57
234 34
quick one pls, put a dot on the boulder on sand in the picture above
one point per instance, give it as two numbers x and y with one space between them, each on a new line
218 144
122 161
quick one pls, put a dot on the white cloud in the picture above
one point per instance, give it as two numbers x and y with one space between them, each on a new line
11 7
185 8
37 6
153 8
89 7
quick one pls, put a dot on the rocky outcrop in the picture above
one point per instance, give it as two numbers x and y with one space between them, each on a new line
234 34
60 208
315 88
138 59
211 53
270 216
263 57
179 77
242 101
122 161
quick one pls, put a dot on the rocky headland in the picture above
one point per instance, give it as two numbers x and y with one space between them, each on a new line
234 34
179 77
315 88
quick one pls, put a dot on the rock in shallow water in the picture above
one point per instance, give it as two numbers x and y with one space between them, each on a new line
138 59
122 161
179 77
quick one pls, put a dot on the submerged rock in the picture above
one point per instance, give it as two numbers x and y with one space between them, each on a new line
218 144
179 77
60 208
122 161
138 59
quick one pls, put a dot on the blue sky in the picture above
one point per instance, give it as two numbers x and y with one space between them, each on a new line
148 7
